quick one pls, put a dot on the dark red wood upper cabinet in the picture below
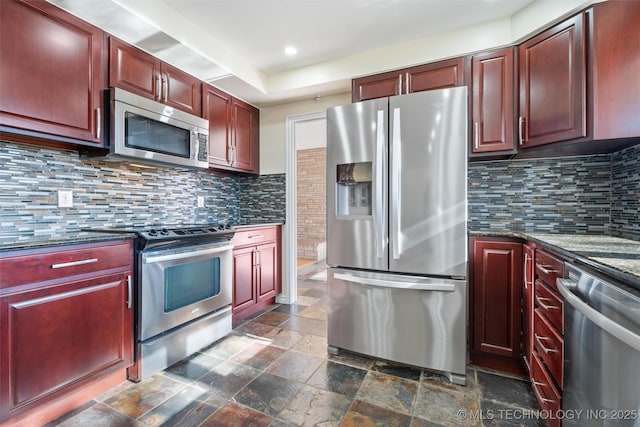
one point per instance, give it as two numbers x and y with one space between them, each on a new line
181 90
51 79
496 294
133 70
234 131
552 78
437 75
493 81
377 86
136 71
614 82
216 107
245 136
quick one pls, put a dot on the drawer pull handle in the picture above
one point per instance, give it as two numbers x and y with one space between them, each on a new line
546 350
74 263
256 236
537 392
543 305
546 269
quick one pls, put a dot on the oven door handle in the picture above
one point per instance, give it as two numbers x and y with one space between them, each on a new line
190 254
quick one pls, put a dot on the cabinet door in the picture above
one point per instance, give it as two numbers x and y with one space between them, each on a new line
527 305
377 86
217 109
493 102
244 278
245 136
55 337
438 75
181 90
51 78
133 70
553 84
497 285
268 277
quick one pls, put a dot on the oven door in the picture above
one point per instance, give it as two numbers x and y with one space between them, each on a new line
179 285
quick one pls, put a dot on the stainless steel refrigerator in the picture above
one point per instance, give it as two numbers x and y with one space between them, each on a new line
397 229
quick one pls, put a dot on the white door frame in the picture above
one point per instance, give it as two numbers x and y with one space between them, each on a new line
289 293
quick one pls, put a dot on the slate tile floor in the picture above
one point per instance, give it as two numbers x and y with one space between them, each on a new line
274 370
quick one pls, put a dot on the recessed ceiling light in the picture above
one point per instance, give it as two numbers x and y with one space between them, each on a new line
290 50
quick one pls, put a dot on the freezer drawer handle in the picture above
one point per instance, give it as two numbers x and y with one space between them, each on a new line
623 334
439 287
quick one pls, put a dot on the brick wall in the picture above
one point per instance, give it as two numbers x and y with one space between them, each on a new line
312 206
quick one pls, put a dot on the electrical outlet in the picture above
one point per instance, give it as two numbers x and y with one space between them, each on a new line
65 198
200 201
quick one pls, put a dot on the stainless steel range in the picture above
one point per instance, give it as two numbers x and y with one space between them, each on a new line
183 292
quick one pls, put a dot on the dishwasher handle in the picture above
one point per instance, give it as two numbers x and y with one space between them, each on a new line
623 334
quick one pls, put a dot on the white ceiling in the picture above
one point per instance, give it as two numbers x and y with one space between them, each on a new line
238 45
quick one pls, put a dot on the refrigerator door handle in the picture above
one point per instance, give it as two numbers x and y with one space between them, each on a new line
410 284
380 166
396 201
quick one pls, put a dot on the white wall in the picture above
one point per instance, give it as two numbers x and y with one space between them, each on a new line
273 128
311 134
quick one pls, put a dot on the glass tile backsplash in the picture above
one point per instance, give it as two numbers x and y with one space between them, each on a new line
589 194
113 193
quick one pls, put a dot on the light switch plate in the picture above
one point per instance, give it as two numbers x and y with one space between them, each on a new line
200 201
65 198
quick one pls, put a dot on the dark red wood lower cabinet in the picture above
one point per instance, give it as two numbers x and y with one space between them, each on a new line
65 330
256 269
496 293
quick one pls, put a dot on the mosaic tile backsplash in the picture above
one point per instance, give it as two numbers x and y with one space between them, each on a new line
591 194
545 195
112 193
625 193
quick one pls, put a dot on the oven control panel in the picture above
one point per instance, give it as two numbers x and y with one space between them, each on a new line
204 230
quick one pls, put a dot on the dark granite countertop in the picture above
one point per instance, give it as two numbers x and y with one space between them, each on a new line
616 257
30 240
35 241
240 226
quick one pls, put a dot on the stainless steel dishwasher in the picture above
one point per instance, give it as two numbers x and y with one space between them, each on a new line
602 351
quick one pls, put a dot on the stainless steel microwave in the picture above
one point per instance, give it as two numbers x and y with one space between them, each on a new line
143 130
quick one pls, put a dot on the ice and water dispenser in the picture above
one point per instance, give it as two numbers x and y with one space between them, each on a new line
354 188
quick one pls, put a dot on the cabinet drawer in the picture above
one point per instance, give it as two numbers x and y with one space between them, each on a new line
255 236
546 392
56 263
549 346
549 268
550 305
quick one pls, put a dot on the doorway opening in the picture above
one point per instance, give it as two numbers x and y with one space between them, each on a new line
305 230
311 154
